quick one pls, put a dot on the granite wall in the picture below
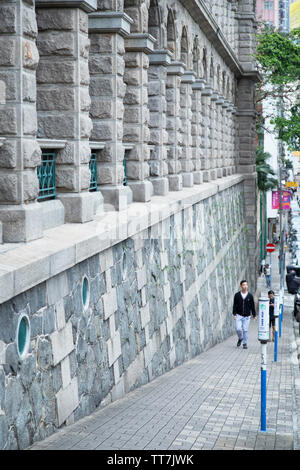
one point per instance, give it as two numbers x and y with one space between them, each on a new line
153 301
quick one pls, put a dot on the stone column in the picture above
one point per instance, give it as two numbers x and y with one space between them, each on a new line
64 101
197 130
205 104
214 135
187 79
20 214
107 89
220 164
157 76
136 117
174 72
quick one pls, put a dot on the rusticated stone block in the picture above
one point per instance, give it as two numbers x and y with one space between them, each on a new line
101 108
55 71
8 121
29 87
8 51
56 127
55 19
56 99
30 55
8 188
29 24
50 43
66 177
31 154
29 120
30 185
8 154
8 19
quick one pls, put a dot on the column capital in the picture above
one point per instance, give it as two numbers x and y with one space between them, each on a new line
140 42
160 57
189 76
110 22
207 91
86 5
199 84
176 68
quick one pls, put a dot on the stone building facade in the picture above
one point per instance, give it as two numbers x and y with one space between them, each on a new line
127 196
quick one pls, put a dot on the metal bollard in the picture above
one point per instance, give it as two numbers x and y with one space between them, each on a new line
263 337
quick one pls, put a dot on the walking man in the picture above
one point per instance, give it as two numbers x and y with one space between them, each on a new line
243 307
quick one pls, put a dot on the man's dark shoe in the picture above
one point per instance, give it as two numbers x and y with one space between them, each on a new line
239 342
245 346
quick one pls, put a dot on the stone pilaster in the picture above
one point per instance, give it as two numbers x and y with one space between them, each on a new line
186 91
136 118
213 135
174 72
197 130
20 154
219 103
157 75
107 31
64 101
205 104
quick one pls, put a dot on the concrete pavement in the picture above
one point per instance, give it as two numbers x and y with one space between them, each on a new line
209 402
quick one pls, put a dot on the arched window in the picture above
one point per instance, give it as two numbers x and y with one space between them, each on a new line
154 23
196 56
171 42
211 73
204 64
184 47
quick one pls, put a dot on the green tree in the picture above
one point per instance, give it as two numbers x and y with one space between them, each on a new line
265 173
278 59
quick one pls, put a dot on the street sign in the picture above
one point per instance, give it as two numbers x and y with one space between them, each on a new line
270 247
263 319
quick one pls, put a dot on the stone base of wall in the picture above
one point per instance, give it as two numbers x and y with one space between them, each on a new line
154 299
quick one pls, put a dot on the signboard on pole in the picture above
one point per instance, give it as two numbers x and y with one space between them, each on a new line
270 247
286 200
263 319
292 184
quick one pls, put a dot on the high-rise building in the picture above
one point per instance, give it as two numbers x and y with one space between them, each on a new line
274 12
295 14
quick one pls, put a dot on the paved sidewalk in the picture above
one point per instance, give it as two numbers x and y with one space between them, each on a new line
210 402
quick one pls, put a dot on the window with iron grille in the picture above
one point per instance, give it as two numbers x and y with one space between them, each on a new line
125 167
93 170
46 176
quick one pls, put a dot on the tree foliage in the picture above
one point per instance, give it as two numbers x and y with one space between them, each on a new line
278 58
265 173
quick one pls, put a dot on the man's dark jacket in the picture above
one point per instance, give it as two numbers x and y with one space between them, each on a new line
243 307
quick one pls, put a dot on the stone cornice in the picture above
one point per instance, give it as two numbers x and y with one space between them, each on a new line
199 84
110 22
140 42
201 14
86 5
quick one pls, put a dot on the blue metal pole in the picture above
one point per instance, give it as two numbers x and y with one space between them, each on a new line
280 320
263 410
275 345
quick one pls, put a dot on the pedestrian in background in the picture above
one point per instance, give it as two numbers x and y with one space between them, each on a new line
243 307
271 313
268 275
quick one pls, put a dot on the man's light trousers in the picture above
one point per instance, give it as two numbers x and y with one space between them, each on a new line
242 325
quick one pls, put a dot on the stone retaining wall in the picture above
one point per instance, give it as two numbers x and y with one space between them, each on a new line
154 300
